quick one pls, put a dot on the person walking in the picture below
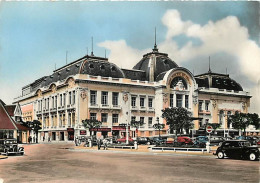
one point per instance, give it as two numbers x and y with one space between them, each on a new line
105 142
99 143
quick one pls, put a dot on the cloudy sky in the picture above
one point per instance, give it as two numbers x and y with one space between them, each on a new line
34 37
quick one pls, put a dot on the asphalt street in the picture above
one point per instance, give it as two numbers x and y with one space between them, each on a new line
58 163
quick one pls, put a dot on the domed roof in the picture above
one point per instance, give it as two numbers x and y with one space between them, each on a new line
155 63
220 81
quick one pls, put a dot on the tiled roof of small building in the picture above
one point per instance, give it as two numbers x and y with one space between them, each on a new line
6 122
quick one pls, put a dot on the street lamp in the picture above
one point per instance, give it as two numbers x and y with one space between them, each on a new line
158 126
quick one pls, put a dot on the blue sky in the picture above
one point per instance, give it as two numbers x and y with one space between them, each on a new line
34 36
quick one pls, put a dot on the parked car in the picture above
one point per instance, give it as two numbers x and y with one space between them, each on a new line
123 140
201 141
157 140
142 140
10 146
216 140
240 149
184 140
252 140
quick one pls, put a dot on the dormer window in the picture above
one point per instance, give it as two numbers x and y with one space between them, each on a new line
102 67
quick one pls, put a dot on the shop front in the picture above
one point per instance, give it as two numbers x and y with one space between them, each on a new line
119 131
70 133
105 132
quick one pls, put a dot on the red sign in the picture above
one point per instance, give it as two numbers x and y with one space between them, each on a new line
82 132
119 128
70 129
100 129
209 129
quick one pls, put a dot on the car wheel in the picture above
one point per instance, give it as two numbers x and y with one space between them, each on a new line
148 143
220 155
252 156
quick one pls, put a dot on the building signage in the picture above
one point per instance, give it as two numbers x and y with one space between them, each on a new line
70 129
82 132
100 129
119 128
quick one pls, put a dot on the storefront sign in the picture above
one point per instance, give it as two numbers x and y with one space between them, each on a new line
119 128
100 129
82 132
70 129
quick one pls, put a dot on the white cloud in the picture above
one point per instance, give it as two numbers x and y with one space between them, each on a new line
225 35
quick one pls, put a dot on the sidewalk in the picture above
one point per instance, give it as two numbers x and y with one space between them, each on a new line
143 149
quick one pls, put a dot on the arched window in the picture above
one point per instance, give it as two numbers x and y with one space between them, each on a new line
179 83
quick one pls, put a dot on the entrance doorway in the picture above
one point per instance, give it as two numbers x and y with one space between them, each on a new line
61 136
53 136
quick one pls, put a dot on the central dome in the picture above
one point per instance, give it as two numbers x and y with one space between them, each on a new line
155 63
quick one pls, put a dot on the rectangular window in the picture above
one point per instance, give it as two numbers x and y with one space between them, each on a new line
133 118
141 119
207 105
200 105
45 104
93 116
55 104
115 99
73 97
200 123
64 99
150 102
178 100
150 121
60 121
48 103
171 100
70 98
187 101
104 98
115 118
60 99
93 97
39 105
142 101
103 117
73 119
133 101
69 119
52 101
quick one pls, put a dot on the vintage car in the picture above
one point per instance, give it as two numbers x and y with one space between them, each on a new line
240 149
10 146
123 140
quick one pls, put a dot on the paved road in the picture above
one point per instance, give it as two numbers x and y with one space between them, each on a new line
56 163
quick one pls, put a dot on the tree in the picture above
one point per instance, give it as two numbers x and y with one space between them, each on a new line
240 121
136 125
91 123
177 118
35 125
158 126
255 120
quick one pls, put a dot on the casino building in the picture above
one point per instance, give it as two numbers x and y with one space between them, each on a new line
93 87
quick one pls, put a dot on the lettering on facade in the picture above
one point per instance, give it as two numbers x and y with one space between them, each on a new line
180 74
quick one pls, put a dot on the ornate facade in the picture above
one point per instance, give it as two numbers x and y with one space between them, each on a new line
93 87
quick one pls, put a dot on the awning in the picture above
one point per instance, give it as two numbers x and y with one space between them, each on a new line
196 118
100 129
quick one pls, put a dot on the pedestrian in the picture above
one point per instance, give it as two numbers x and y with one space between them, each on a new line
99 143
76 141
43 138
29 139
49 139
105 144
33 139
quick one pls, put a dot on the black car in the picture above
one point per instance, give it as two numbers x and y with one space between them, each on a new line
240 149
142 140
10 146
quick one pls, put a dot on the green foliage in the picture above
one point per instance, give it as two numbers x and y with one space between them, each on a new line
136 124
91 123
241 121
35 125
177 118
214 125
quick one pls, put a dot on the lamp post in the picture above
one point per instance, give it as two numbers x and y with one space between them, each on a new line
158 126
